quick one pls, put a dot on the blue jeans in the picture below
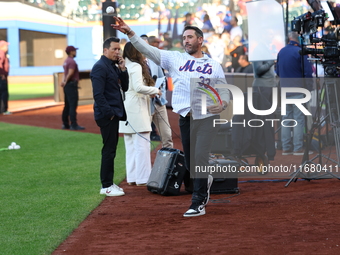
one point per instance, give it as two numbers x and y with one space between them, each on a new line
293 142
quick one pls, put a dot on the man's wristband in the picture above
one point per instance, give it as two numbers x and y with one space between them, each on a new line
127 33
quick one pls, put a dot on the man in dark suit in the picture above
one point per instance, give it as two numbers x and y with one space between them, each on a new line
110 80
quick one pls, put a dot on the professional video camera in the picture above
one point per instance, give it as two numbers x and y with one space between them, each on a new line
325 47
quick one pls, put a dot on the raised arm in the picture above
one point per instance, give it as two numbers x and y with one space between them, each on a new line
149 51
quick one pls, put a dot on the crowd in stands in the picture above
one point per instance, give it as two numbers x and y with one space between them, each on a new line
224 33
86 10
223 22
220 22
91 10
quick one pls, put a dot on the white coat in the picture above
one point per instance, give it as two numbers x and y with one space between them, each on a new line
137 101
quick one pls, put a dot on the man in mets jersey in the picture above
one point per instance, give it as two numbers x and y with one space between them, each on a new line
197 131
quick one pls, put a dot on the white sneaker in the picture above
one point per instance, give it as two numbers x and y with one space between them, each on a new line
198 211
112 191
301 152
117 187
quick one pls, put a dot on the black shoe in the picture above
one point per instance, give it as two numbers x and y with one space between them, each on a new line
77 128
195 210
155 138
65 127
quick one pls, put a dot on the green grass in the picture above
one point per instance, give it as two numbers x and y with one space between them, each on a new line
48 187
26 91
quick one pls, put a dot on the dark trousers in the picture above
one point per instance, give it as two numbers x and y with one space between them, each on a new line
109 131
197 140
71 103
3 95
184 125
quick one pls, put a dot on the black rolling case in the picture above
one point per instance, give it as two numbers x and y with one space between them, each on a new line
225 183
167 172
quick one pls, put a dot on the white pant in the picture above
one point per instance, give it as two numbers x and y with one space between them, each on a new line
138 159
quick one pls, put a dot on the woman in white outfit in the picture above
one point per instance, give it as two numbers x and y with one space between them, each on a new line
137 128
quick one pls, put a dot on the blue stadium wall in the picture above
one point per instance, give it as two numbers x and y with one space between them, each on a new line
79 35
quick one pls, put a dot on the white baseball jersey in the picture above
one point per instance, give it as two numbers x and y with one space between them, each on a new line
183 68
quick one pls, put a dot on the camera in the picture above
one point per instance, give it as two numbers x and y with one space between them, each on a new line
309 22
325 47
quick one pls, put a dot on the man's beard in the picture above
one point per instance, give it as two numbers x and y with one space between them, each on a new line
192 50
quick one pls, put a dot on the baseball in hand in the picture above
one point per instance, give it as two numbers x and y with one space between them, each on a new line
110 9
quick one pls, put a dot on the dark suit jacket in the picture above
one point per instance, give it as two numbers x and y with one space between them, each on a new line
107 83
246 69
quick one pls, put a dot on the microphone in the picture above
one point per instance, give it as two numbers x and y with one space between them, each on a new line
155 79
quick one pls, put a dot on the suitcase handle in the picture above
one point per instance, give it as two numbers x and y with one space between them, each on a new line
172 150
169 149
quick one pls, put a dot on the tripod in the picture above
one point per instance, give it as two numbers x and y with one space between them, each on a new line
333 115
334 111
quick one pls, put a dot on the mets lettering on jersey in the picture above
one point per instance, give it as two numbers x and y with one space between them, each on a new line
189 66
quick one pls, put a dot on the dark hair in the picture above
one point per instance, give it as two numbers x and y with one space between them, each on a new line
134 55
206 17
245 57
152 39
198 31
108 41
145 38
